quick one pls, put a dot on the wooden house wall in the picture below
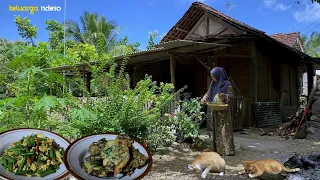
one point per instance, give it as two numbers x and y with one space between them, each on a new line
160 72
238 69
202 75
289 84
275 73
186 75
268 76
281 69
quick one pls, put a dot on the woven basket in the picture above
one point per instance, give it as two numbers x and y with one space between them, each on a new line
217 107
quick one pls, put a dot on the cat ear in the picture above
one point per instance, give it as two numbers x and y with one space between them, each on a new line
190 167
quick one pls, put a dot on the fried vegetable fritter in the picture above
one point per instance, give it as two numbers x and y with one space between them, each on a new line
138 160
116 153
112 157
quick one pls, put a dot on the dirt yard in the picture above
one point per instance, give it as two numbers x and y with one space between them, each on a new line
171 163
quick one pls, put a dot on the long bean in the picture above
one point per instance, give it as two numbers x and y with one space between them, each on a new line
9 158
19 146
61 151
51 153
47 172
42 139
27 154
14 150
22 163
31 142
4 162
26 149
23 172
10 166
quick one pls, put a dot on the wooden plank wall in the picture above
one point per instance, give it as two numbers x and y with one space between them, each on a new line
238 69
283 78
202 74
263 89
159 71
289 84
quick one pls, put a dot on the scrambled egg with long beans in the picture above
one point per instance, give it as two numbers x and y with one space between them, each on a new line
33 156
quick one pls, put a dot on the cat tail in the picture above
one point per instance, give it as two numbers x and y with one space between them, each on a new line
285 169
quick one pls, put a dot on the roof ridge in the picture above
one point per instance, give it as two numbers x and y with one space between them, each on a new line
227 17
285 33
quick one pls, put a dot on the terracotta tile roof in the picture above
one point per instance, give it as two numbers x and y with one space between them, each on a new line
288 39
181 29
193 14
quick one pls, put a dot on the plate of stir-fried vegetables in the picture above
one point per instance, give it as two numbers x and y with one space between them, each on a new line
32 154
107 156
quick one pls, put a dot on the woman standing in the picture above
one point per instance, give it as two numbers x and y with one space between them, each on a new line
223 132
219 84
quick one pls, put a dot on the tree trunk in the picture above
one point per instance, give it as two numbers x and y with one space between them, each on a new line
223 132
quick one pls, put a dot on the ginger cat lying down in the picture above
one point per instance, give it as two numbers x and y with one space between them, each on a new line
257 168
210 162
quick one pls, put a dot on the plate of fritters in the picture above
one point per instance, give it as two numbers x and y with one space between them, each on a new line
107 156
32 154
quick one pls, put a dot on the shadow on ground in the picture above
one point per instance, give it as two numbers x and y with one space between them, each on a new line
173 161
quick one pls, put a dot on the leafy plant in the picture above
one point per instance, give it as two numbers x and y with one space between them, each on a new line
26 30
56 34
45 99
96 31
151 43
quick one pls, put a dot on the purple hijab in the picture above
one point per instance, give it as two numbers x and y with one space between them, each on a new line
221 85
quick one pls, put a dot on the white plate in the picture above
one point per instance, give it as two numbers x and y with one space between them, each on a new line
76 153
11 136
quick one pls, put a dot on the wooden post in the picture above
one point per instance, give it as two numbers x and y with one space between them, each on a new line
51 93
208 26
210 117
173 79
173 71
88 80
310 74
253 72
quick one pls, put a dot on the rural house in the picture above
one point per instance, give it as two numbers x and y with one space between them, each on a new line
266 70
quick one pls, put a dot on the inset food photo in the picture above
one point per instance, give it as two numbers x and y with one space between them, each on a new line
32 154
107 156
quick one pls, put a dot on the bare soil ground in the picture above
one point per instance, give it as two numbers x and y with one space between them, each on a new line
171 163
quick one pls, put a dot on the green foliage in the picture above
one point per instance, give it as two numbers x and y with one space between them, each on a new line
312 44
125 42
312 1
45 99
189 117
8 50
81 53
95 31
56 34
35 112
25 28
151 42
38 56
